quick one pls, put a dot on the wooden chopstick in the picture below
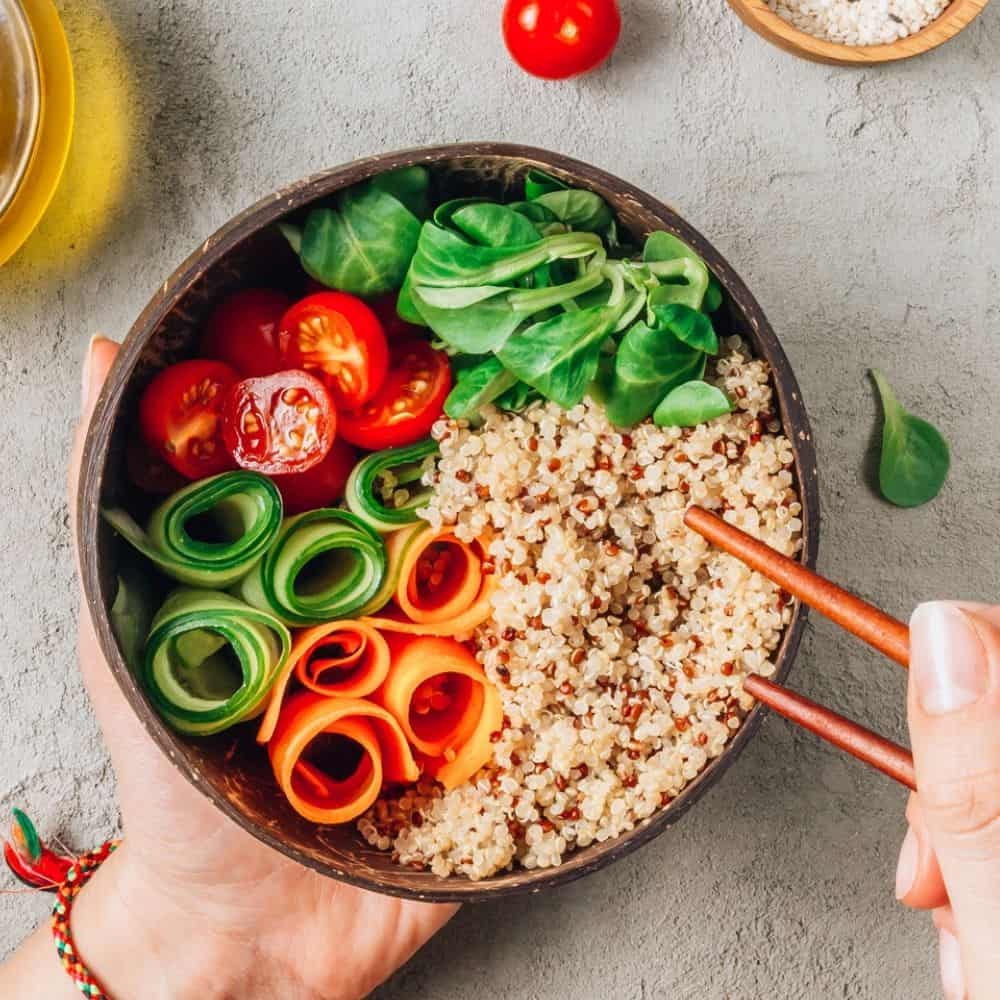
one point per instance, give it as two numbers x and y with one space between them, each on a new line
864 620
880 753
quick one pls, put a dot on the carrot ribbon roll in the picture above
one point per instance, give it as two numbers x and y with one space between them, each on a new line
347 659
440 584
331 756
444 704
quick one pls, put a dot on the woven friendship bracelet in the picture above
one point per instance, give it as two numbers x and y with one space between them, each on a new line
76 878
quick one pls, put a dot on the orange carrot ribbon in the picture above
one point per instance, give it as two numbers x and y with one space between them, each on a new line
365 749
444 703
347 659
444 586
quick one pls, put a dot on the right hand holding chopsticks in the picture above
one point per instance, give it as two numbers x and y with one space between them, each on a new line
950 861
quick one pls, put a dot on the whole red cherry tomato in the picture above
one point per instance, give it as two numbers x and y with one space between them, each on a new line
555 39
280 423
243 331
180 416
410 400
336 337
322 485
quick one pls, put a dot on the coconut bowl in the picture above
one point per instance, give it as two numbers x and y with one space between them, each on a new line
230 769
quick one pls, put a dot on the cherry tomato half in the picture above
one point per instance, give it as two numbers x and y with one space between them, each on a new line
322 485
555 39
180 416
243 331
336 337
408 403
279 423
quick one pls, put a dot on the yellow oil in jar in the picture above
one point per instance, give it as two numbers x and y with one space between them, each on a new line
78 167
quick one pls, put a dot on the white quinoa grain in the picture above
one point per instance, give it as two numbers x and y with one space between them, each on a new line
633 635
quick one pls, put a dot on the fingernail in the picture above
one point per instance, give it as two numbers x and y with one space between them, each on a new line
952 976
906 870
947 658
86 389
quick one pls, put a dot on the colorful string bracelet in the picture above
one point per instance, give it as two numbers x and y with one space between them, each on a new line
76 878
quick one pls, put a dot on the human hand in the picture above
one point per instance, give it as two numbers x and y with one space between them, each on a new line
950 860
206 910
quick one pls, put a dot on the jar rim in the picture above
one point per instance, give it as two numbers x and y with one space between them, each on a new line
20 75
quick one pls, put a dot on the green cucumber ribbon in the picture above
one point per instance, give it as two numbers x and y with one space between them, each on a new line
325 564
211 660
242 508
405 466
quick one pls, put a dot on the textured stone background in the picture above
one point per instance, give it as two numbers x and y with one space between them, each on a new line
862 207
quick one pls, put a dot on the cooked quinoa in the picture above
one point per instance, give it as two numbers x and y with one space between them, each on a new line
619 640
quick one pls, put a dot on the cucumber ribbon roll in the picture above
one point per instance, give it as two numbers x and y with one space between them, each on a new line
211 660
324 565
394 473
208 534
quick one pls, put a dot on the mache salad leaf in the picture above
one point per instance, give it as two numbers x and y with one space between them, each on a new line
651 360
476 386
365 242
915 456
559 356
690 404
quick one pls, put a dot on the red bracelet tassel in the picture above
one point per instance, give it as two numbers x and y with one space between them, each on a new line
30 861
38 867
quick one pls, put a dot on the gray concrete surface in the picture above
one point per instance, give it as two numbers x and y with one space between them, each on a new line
863 208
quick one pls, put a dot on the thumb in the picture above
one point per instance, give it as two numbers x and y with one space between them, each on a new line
954 712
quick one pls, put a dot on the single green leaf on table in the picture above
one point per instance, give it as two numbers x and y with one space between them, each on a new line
409 185
688 325
691 404
538 182
477 386
651 360
364 245
915 456
559 357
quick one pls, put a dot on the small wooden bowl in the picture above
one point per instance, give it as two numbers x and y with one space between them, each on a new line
756 13
230 768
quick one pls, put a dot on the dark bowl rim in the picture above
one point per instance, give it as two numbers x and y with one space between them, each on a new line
210 252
